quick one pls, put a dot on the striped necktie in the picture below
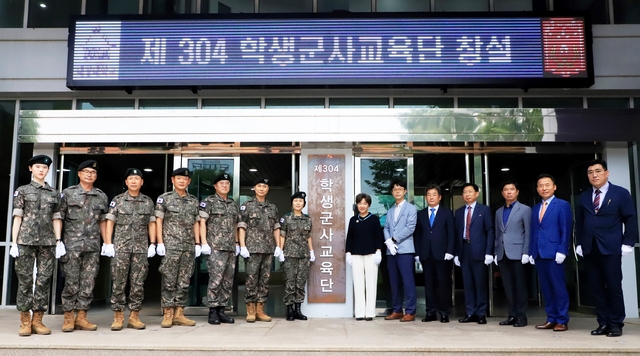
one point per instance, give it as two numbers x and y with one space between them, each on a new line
596 201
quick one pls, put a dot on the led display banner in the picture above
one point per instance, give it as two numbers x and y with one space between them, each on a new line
509 51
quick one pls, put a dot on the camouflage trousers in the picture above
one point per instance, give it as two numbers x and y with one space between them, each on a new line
176 269
258 268
296 273
132 267
44 258
80 270
221 266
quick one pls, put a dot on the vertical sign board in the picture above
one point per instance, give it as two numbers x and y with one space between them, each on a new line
326 199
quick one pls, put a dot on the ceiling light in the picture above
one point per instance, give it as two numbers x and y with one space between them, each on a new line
252 170
505 169
399 169
148 170
43 5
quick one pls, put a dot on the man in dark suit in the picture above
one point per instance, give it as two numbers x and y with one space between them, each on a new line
551 226
434 241
513 230
601 238
475 242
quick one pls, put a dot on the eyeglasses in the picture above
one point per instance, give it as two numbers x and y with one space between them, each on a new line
88 172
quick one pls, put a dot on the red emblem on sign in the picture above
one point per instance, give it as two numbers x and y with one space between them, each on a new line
564 47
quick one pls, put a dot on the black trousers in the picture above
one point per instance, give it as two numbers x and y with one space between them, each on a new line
515 287
605 274
437 285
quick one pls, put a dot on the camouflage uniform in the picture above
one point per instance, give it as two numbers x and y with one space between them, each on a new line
82 213
179 214
259 220
132 216
296 231
221 216
37 205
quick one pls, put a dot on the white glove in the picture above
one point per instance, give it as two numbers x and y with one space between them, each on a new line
237 250
312 256
198 250
14 251
456 261
60 250
103 251
448 257
525 259
532 260
244 252
348 258
495 259
488 259
416 258
277 252
579 250
160 250
151 251
206 249
560 258
377 258
393 248
626 250
281 257
109 250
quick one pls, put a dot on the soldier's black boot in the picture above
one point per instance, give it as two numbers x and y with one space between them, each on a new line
290 313
213 317
298 314
223 317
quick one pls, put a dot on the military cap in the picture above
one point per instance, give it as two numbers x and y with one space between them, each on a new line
40 159
301 195
88 164
133 172
181 172
223 176
262 180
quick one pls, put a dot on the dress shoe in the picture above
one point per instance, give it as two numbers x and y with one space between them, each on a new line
546 326
482 319
519 324
561 327
614 332
510 321
601 330
394 316
444 318
468 319
359 319
368 318
408 317
429 317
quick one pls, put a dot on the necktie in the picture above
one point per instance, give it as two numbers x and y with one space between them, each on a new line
432 216
467 229
596 201
542 210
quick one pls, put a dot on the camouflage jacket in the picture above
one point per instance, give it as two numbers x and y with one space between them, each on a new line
37 205
131 216
178 214
81 213
259 220
296 231
221 216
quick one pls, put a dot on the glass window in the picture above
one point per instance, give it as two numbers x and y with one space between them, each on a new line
519 5
422 102
344 5
111 7
7 117
105 104
231 103
505 103
11 13
636 103
403 5
168 104
626 11
284 103
286 6
611 103
52 13
45 105
358 102
558 102
597 8
163 7
462 5
227 7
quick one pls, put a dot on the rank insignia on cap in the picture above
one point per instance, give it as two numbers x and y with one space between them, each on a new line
203 205
16 193
113 204
281 220
160 201
243 208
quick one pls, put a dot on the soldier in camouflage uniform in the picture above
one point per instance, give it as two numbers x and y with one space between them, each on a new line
132 215
82 209
259 234
177 228
36 228
295 238
218 219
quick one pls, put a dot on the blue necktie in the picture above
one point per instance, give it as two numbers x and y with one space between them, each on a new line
432 216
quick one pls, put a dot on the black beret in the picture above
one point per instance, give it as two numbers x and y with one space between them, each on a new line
223 176
40 159
181 172
88 164
301 195
262 180
133 172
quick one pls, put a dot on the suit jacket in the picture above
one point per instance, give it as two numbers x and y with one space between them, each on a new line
512 239
434 241
402 229
606 225
481 231
554 232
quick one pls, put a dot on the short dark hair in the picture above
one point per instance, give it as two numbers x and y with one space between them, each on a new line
507 182
546 175
601 162
365 196
472 185
433 186
399 182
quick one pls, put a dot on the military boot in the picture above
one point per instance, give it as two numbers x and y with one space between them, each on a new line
298 314
167 317
181 320
118 320
134 321
290 315
251 312
213 316
67 324
82 323
260 314
25 323
37 327
223 317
